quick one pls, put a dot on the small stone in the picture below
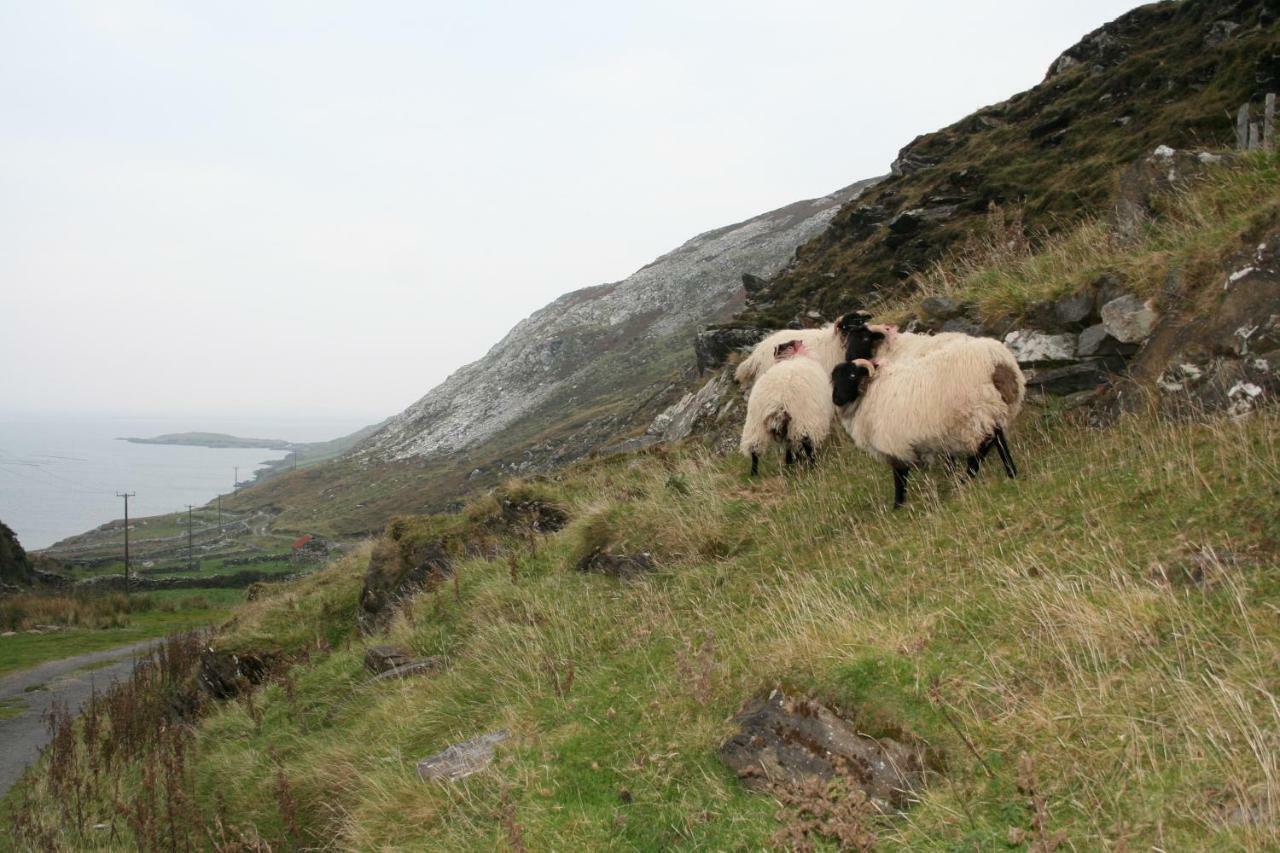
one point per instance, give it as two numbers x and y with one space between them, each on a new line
461 759
1164 152
1129 319
1032 347
423 666
964 326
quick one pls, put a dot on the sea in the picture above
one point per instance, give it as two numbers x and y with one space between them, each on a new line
59 475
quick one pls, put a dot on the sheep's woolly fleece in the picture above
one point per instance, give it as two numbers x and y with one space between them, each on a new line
941 394
823 344
789 403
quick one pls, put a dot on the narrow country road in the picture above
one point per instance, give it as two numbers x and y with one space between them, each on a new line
32 691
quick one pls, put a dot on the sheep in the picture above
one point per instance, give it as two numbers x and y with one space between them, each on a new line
952 395
826 344
847 380
791 403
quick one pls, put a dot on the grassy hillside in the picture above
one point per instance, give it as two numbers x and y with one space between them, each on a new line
1089 654
1106 624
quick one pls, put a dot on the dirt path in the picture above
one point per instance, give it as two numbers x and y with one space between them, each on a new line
33 691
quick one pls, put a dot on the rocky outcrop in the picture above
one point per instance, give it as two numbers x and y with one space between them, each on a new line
396 573
789 742
1100 135
15 568
713 347
622 566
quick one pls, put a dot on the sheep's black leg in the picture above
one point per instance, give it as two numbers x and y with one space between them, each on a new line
809 452
976 460
900 473
791 457
1002 447
755 464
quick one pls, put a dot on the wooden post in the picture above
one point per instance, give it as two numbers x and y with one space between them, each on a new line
1242 128
1269 123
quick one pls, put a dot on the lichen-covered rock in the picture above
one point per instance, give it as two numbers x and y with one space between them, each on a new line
789 742
461 759
713 347
1128 319
1033 347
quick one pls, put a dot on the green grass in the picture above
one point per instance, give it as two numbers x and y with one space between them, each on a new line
1057 619
1034 605
191 608
1003 273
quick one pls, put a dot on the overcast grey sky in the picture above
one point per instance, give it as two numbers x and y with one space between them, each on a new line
323 208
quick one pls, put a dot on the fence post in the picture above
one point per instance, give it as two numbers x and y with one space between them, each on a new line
1269 123
1242 128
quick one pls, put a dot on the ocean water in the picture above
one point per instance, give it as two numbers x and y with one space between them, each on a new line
59 475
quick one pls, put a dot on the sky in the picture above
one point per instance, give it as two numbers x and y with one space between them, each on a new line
321 209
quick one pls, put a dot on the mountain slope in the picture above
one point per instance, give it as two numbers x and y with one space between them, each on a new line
593 367
577 353
1171 73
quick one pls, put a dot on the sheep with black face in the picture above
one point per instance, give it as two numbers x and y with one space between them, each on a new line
949 395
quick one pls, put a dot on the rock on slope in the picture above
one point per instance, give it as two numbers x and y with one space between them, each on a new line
587 365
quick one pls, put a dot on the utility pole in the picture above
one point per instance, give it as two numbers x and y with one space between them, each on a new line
126 496
219 513
191 564
235 484
295 460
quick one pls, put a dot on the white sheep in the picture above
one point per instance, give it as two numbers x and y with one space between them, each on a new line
952 395
790 403
824 344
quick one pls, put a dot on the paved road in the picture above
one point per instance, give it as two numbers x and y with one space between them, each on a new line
34 690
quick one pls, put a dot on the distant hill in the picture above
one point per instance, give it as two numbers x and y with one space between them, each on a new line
214 439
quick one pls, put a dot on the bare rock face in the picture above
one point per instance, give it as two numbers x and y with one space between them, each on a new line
790 742
1032 347
461 759
577 352
713 347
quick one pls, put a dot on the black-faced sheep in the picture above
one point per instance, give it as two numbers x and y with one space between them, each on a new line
951 396
791 404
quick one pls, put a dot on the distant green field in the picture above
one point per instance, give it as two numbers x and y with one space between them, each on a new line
173 610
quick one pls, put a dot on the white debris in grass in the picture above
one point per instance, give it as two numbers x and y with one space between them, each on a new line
1236 276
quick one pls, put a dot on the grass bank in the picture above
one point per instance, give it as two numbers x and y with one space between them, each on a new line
1104 626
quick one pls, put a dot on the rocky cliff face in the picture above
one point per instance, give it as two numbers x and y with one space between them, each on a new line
599 361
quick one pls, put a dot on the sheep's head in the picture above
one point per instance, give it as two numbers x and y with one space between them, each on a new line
847 380
860 339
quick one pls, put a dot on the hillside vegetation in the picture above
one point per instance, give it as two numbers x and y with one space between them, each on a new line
1087 655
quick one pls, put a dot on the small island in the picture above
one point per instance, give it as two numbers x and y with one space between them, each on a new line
216 440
